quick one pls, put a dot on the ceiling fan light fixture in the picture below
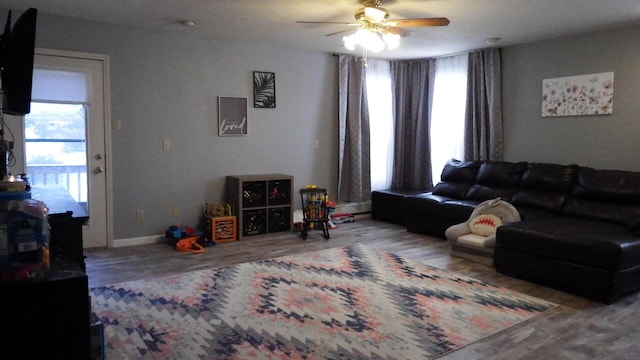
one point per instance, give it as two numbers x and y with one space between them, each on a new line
392 40
350 42
367 39
372 40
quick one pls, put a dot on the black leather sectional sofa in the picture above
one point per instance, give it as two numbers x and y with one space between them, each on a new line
580 228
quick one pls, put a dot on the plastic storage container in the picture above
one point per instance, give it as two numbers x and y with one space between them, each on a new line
24 240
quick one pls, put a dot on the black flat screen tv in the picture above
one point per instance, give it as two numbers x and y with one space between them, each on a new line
17 46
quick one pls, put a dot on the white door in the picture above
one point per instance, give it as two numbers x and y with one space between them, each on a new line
66 135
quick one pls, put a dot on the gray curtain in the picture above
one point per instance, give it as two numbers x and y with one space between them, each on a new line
412 89
483 124
354 181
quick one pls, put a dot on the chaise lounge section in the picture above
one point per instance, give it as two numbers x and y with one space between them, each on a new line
580 228
591 249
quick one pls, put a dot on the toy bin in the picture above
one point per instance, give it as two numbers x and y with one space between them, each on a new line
24 240
221 228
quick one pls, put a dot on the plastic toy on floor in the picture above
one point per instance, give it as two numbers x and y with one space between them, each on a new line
187 239
190 244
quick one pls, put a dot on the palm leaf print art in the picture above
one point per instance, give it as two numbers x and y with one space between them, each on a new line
264 89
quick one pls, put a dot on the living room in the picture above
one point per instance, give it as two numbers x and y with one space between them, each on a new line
165 84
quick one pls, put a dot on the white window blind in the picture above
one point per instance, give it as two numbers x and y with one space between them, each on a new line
61 86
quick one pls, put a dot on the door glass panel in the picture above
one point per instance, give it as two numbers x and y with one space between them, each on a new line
56 148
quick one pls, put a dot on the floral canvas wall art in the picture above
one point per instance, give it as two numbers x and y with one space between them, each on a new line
590 94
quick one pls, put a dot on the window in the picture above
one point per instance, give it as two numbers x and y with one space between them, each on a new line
447 116
380 122
448 112
55 132
55 147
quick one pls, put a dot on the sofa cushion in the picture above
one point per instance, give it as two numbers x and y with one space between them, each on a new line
609 195
544 200
608 185
432 214
496 179
616 213
545 186
387 204
460 171
529 213
482 193
451 189
500 173
456 179
436 205
549 177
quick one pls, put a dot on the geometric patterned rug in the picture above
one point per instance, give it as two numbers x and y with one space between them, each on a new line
350 302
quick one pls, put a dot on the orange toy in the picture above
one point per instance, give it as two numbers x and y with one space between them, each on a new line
190 244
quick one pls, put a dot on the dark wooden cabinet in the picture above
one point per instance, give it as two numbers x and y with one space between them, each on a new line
66 218
47 319
50 318
66 240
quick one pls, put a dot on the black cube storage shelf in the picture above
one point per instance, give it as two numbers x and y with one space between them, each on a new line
263 203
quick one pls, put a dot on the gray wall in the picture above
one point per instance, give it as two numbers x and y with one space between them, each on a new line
165 84
604 142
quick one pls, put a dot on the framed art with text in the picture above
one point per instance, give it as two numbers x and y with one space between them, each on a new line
232 116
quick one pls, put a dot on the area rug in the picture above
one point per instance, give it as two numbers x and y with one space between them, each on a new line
349 302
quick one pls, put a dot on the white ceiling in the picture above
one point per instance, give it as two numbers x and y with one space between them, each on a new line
472 21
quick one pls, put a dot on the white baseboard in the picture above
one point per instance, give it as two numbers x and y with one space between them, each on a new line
359 209
143 240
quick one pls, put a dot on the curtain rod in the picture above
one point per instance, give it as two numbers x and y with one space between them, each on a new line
434 57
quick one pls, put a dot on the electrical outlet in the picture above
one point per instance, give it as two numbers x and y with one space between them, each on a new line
139 215
316 144
175 211
166 144
116 125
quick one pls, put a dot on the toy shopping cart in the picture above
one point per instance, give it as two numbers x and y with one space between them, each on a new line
315 212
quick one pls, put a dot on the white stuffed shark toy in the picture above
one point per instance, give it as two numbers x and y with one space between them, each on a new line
480 229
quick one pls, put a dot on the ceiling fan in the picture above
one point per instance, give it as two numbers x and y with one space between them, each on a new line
374 29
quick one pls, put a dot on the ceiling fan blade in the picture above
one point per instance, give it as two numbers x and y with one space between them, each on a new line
328 22
398 31
339 32
417 22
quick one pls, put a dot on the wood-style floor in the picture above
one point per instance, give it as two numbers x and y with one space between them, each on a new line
577 329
